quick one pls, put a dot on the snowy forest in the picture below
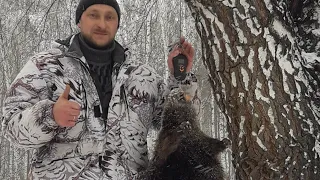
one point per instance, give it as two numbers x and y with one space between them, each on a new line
257 63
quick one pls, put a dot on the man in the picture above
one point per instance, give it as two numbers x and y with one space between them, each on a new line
84 106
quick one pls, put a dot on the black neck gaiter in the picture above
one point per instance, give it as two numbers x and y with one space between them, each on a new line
100 64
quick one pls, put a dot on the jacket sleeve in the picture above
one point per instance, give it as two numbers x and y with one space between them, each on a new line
27 112
189 85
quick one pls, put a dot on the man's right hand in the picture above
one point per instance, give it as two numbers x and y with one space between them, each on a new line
65 112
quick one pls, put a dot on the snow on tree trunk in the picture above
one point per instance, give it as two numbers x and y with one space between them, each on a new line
262 83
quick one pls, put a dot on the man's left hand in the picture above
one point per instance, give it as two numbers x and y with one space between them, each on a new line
185 49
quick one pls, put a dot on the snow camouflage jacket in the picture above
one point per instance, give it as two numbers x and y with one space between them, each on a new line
94 148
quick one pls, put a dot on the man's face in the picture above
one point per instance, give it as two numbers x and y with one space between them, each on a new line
99 24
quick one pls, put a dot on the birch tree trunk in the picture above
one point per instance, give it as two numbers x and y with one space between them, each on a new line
262 73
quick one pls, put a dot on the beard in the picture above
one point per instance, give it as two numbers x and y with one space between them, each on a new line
90 41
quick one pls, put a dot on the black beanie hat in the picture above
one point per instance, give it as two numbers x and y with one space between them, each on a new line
84 4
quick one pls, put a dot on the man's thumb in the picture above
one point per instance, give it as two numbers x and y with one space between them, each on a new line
66 92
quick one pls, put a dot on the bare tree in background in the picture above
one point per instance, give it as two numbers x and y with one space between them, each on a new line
263 62
26 27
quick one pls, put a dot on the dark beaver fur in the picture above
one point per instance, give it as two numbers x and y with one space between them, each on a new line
183 151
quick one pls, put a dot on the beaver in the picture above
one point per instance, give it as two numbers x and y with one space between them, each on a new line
183 151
